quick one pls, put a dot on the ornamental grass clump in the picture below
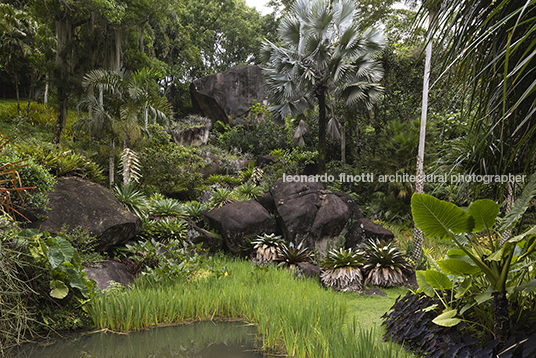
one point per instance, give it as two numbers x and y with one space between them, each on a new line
385 265
342 270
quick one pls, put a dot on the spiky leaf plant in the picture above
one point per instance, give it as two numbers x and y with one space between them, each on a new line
342 270
193 209
385 265
291 255
265 247
162 206
248 190
221 197
132 198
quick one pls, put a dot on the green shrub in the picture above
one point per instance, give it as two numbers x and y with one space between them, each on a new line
223 179
163 230
82 242
172 260
170 169
61 162
31 174
62 264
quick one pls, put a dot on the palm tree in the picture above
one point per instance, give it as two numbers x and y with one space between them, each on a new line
419 185
120 113
322 53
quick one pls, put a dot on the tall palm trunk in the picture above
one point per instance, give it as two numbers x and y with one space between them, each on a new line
322 123
419 186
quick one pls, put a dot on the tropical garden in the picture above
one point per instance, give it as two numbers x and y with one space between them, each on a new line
96 89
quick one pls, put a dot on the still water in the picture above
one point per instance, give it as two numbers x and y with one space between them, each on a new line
195 340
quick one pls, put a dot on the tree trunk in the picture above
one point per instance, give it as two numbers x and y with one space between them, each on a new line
17 91
45 98
501 317
62 115
322 122
343 143
112 160
419 186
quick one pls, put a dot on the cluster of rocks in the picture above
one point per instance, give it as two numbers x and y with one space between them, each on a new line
301 212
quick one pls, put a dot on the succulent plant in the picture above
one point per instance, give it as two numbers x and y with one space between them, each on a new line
342 270
291 255
265 247
385 264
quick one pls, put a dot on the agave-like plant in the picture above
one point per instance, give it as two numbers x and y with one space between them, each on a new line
291 255
265 247
342 270
385 265
132 198
162 206
248 190
221 197
193 209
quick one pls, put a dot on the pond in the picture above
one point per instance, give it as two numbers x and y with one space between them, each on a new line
195 340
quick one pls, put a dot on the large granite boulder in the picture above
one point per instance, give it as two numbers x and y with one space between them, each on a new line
76 202
105 271
306 211
197 235
239 221
227 96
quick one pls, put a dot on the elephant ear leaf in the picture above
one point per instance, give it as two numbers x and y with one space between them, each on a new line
438 218
484 212
58 289
520 205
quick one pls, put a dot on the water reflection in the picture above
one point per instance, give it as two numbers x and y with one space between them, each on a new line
196 340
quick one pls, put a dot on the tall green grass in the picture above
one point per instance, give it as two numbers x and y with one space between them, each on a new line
296 317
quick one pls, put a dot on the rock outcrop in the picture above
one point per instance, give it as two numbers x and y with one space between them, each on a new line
240 221
227 96
105 271
76 202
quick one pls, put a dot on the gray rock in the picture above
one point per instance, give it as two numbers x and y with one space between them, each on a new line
193 136
76 202
227 96
239 221
106 271
308 212
373 231
197 235
308 270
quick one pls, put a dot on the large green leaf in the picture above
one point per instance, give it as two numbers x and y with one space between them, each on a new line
437 280
423 285
55 256
438 218
458 267
58 289
484 212
520 205
66 248
447 318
